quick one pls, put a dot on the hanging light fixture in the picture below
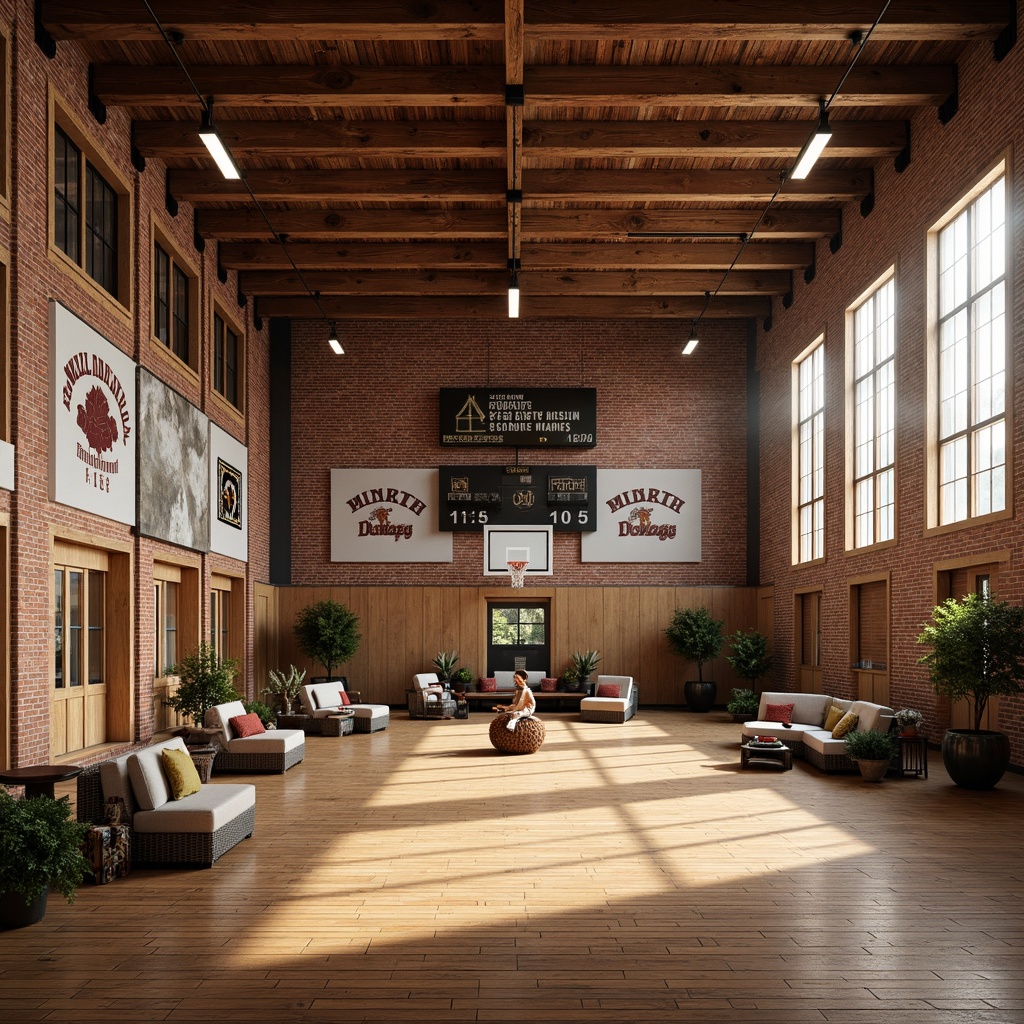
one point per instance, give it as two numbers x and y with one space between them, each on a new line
215 145
692 341
513 296
813 146
332 340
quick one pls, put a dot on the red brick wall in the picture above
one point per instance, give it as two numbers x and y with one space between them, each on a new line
946 162
378 406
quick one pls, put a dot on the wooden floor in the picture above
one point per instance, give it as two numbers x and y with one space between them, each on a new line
624 873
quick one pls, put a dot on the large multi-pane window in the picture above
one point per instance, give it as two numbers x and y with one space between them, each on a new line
220 622
78 615
810 455
971 365
172 304
874 417
165 626
86 213
227 352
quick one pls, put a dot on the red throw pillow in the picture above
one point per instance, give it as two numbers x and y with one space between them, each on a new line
344 698
548 685
246 725
489 685
782 713
608 690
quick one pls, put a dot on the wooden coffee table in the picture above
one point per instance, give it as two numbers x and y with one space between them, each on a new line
753 753
38 779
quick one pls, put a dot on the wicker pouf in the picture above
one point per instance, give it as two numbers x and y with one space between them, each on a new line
526 739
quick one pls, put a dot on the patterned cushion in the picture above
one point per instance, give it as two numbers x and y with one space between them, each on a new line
608 690
246 725
489 685
548 685
845 724
782 713
181 773
832 717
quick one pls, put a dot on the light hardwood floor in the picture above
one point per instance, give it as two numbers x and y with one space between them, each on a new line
624 873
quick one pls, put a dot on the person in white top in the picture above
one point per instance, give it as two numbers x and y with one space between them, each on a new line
523 706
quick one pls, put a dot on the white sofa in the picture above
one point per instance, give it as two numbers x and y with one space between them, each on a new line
506 680
806 737
322 699
196 829
611 709
273 751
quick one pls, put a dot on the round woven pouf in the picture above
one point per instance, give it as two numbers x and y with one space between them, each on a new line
525 739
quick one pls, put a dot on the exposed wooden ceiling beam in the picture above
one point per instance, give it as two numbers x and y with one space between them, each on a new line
483 282
494 306
536 256
545 87
482 19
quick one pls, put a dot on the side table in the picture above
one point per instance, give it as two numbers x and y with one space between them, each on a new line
203 755
38 779
295 721
913 756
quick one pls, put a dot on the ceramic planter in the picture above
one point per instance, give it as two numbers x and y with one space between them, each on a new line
975 759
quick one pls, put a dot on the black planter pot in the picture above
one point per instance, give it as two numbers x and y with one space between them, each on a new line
975 759
16 913
700 696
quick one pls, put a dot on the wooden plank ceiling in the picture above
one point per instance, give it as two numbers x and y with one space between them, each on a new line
631 156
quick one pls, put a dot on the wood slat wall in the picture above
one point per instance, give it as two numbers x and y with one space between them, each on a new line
403 628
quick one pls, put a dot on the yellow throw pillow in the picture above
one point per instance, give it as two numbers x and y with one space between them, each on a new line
181 773
832 717
845 724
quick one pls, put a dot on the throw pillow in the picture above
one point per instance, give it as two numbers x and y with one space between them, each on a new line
845 724
782 713
608 690
832 717
489 685
548 685
344 699
181 773
246 725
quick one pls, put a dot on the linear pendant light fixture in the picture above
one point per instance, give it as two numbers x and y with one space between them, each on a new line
692 341
513 297
215 145
813 146
332 340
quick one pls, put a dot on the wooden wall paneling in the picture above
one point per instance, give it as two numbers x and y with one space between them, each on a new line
5 632
120 652
615 602
58 727
265 634
472 629
673 668
373 651
449 633
629 632
650 672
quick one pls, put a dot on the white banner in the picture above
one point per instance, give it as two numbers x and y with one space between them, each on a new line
92 420
646 515
386 515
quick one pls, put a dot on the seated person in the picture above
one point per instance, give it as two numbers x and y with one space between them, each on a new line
523 706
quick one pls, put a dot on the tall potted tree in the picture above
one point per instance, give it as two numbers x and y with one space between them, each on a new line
206 680
694 635
977 652
751 661
328 633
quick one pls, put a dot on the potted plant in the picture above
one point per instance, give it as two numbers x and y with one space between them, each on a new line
461 680
749 658
285 687
264 711
445 663
570 681
328 633
977 652
40 849
206 680
743 705
873 752
697 637
584 662
909 720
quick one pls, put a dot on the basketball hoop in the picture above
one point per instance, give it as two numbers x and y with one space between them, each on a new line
517 570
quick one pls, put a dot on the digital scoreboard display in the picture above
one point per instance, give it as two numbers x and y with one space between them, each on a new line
471 497
519 417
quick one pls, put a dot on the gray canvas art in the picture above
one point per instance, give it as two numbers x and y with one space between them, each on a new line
173 467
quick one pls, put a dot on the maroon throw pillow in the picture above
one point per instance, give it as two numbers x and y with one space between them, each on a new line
608 690
548 685
782 713
489 685
246 725
344 698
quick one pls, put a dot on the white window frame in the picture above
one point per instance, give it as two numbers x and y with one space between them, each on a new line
809 455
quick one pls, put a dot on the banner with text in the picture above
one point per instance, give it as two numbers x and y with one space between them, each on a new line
646 515
386 515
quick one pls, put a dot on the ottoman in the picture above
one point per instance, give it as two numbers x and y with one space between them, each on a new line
526 739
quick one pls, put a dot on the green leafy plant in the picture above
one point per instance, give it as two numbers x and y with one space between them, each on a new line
265 711
743 702
977 650
445 663
570 678
462 679
695 636
327 633
206 680
584 662
285 687
906 717
749 658
40 847
871 745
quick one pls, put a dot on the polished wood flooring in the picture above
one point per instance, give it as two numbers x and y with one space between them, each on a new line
625 873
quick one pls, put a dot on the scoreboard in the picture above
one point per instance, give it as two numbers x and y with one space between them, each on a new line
471 497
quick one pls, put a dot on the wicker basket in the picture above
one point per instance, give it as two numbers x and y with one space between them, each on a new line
525 739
